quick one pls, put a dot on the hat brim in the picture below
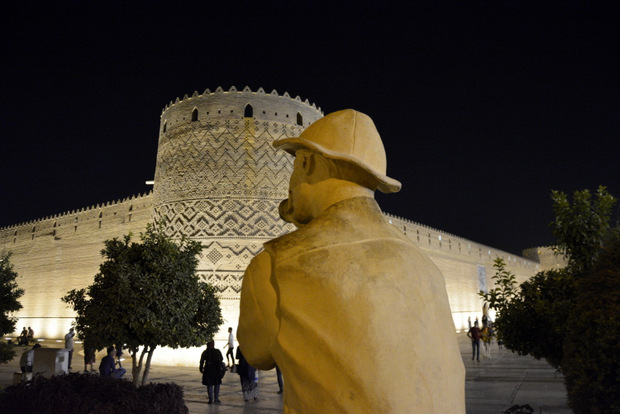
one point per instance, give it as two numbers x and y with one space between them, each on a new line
385 184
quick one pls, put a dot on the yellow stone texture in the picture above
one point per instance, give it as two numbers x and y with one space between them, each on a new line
354 314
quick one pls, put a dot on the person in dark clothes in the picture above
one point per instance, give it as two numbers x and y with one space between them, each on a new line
247 374
107 368
211 367
474 334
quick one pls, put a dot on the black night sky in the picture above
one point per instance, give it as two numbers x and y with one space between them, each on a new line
483 107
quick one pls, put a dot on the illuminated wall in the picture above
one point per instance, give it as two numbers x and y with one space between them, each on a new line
218 180
467 266
56 254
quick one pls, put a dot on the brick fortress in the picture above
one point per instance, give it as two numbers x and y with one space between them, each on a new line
218 180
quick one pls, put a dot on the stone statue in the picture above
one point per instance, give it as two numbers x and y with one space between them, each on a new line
356 317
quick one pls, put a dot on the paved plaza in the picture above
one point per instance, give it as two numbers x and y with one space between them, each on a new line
492 385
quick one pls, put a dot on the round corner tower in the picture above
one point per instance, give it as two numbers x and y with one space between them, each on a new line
218 180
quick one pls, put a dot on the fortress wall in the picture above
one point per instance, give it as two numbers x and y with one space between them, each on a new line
546 256
49 265
56 254
466 265
59 253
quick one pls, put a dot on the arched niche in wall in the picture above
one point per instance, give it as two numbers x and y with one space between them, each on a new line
248 111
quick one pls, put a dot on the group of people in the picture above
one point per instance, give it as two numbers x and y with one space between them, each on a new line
485 335
26 336
213 368
108 365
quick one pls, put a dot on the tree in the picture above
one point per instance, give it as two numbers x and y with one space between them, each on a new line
530 318
9 302
570 316
581 227
592 345
147 295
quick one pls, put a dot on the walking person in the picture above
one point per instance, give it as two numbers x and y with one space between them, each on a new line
247 375
212 372
231 346
486 340
89 357
69 344
474 334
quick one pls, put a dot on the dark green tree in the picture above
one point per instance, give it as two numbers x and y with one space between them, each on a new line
570 316
580 227
147 295
530 316
592 346
9 303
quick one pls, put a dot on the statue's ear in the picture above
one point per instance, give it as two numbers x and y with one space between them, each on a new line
308 163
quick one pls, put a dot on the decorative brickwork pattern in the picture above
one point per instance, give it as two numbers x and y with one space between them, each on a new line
223 159
225 181
218 179
224 262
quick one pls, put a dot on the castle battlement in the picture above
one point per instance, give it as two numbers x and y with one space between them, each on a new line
431 239
221 107
111 211
233 89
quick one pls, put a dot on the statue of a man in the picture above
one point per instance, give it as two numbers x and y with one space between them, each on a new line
356 317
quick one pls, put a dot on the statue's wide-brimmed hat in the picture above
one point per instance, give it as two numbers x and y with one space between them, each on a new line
346 135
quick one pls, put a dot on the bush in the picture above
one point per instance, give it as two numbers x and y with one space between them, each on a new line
519 409
91 394
7 352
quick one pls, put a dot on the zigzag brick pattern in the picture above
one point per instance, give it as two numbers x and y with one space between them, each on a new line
218 179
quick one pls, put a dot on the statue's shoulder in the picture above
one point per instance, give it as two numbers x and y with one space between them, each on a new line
346 221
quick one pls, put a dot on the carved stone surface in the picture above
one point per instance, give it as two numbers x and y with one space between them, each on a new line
219 180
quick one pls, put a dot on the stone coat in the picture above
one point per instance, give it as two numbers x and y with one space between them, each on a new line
356 317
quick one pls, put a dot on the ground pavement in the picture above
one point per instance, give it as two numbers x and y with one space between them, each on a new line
491 385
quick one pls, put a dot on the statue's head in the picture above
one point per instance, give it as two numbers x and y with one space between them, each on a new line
343 146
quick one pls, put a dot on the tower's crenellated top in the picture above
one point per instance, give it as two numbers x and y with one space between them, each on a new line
240 104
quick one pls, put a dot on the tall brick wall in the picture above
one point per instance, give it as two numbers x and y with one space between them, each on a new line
56 254
466 265
50 264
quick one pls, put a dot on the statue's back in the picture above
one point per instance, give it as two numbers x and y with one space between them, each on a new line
365 324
